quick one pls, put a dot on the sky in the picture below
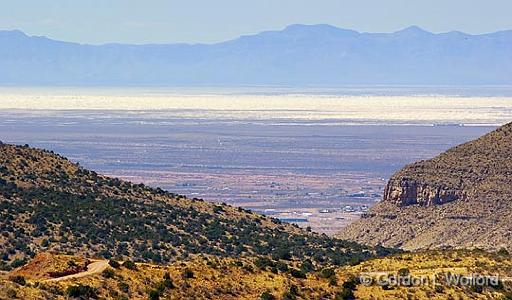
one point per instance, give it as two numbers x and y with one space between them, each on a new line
207 21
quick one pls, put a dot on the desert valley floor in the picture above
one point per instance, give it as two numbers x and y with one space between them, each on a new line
318 161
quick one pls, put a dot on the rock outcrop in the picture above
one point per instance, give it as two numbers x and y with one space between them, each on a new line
404 191
461 198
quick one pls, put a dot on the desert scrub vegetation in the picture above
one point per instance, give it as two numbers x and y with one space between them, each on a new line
49 203
203 276
82 292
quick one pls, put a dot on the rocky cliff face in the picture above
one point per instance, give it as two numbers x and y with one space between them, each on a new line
461 198
405 191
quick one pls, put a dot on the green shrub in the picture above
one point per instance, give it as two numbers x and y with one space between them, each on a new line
297 273
187 273
167 282
282 267
347 289
72 264
114 264
403 272
292 293
108 273
503 252
281 253
333 281
345 294
130 265
11 294
351 283
154 295
307 266
18 279
18 263
263 262
267 296
248 268
327 273
82 291
124 287
238 263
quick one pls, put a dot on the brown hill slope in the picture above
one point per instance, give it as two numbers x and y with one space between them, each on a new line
207 277
48 203
461 198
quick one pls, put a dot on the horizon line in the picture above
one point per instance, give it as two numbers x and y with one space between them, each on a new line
411 28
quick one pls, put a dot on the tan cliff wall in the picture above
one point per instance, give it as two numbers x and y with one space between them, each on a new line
404 191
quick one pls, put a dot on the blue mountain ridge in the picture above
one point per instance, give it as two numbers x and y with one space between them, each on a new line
299 55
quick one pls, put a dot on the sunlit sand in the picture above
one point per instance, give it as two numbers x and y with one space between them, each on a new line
346 109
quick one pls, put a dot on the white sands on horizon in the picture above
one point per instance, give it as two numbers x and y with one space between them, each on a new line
415 109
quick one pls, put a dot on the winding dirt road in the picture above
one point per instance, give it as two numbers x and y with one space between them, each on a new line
93 268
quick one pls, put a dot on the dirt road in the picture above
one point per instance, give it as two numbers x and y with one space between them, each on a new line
93 268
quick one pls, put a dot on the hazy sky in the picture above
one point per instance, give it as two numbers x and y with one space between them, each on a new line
165 21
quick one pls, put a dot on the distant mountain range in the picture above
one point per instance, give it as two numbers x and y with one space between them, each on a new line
299 55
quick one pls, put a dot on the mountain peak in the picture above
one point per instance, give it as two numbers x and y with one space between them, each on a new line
413 30
12 33
316 29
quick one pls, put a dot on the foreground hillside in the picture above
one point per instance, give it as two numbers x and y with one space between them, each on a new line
462 198
48 203
207 277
